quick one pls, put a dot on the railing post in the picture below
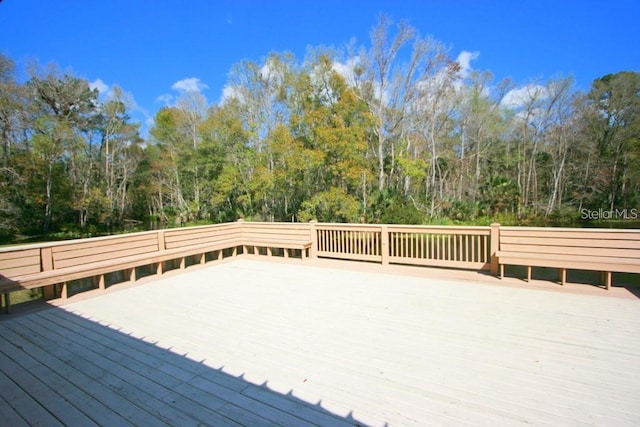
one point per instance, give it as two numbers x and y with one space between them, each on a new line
162 245
313 234
240 222
46 264
494 247
161 242
384 246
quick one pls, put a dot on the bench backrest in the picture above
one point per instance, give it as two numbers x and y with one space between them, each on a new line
21 261
562 241
192 236
103 249
284 233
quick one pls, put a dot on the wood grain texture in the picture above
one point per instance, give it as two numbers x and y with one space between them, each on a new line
601 250
278 343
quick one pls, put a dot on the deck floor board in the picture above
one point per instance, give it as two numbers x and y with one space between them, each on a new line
140 385
253 342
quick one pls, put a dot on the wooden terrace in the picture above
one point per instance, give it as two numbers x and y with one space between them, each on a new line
260 330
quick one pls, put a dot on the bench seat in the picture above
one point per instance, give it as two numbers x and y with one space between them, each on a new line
102 267
286 246
286 236
52 264
607 251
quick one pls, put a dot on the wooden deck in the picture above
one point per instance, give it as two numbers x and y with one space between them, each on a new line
253 342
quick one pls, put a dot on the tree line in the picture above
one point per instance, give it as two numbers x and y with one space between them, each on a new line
394 132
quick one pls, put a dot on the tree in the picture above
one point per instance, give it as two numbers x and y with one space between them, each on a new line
13 123
407 103
435 107
385 89
63 108
614 111
332 127
480 127
230 197
172 145
193 108
561 135
117 136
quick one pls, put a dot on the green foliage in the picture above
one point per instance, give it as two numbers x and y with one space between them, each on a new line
500 194
614 125
390 207
301 141
462 210
334 205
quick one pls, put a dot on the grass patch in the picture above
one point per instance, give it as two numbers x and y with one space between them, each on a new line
25 295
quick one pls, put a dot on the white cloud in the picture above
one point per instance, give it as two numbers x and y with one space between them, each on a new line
165 99
184 86
346 69
102 87
190 84
464 60
230 92
521 96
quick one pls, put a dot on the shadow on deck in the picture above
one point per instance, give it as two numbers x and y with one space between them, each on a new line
57 368
628 281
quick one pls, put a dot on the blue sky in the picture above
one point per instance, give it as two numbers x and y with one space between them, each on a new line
154 49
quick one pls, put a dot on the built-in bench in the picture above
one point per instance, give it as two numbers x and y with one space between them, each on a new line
269 236
53 265
607 251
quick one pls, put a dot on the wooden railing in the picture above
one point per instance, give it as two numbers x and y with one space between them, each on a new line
349 241
51 264
456 247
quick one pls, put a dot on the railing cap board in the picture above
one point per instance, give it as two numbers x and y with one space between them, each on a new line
443 227
336 225
435 229
296 225
401 227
